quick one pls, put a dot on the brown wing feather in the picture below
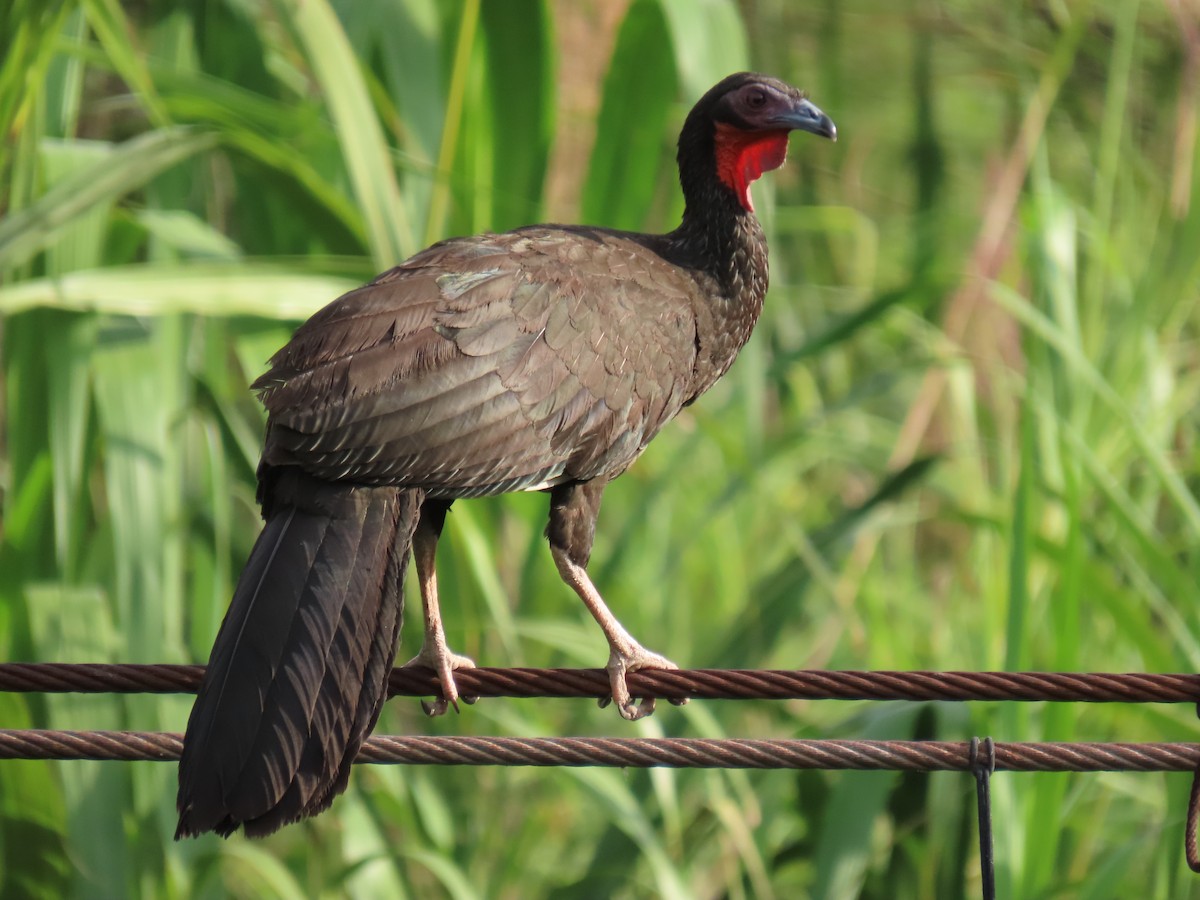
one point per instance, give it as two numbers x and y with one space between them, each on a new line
488 364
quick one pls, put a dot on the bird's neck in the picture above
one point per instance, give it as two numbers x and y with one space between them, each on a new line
723 244
719 231
725 240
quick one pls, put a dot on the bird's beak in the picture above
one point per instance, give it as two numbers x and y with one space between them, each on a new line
804 116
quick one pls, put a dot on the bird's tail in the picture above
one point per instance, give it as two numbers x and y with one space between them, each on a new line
299 670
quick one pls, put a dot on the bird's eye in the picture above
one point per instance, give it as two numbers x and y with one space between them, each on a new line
756 99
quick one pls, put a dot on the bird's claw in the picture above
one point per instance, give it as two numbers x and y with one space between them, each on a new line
621 662
441 660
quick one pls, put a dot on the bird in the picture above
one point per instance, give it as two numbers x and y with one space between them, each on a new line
540 359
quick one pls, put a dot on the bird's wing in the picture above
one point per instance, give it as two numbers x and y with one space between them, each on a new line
490 364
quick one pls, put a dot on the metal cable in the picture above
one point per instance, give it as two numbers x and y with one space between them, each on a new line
983 769
687 753
1190 852
706 684
1189 829
927 756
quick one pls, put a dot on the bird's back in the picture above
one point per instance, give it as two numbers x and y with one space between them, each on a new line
489 364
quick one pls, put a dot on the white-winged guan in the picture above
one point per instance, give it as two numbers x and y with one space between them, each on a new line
542 359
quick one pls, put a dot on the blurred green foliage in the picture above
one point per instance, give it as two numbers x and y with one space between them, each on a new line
963 437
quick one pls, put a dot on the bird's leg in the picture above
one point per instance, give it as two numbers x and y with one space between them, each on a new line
572 527
434 652
625 653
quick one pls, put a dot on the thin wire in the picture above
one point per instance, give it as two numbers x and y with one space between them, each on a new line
1189 832
1193 820
983 770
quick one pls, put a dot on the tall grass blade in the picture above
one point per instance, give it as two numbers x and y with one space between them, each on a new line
128 167
363 143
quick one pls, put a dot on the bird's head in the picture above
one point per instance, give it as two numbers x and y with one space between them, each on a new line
739 129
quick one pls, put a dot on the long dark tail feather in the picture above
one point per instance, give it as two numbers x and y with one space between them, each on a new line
298 673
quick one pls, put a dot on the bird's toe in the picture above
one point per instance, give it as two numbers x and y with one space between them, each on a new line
621 662
441 660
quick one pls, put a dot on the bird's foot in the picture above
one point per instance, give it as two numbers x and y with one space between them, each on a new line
628 658
437 656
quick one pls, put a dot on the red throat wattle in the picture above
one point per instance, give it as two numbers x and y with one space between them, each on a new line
742 156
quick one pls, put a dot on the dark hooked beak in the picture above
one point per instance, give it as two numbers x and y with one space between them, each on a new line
804 116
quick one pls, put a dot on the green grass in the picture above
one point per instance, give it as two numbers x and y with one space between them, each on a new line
964 436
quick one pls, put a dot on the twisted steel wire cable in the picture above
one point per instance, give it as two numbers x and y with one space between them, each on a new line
707 684
928 756
684 753
692 683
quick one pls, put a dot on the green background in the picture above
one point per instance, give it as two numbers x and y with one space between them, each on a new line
963 437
